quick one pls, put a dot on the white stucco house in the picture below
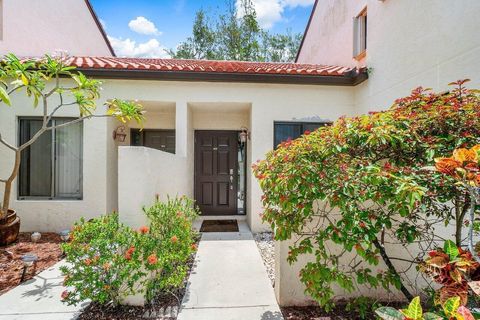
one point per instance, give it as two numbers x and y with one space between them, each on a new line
208 121
33 28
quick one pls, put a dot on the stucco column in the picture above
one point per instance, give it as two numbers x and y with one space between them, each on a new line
181 128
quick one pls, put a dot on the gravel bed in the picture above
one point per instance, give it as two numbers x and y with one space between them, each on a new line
266 246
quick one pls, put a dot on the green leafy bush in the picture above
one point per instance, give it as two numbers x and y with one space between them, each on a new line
451 310
346 190
109 261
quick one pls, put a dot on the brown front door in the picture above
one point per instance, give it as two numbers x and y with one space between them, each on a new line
216 172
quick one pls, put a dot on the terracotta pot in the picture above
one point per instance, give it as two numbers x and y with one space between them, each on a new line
9 228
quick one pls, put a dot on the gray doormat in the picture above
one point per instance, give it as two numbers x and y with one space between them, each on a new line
219 226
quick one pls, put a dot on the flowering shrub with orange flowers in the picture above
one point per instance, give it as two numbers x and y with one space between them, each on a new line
109 261
355 193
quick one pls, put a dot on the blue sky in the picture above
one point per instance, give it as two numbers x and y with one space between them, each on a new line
144 28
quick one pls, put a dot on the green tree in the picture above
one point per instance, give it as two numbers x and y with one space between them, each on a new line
354 193
236 35
50 81
201 45
280 47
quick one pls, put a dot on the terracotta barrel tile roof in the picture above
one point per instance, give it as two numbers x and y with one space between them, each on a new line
208 66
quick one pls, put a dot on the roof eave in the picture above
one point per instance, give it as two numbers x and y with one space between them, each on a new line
306 30
349 79
100 27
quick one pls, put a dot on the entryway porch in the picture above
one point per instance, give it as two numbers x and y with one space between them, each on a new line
208 161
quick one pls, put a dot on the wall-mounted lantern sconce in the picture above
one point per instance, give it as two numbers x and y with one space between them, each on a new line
120 134
244 135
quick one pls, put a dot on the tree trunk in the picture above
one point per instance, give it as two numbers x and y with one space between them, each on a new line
8 188
392 269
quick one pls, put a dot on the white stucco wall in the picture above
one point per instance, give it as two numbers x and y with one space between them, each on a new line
231 106
329 39
34 28
197 106
145 173
410 43
431 44
98 154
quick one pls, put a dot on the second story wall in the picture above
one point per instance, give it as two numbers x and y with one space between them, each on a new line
410 43
329 37
36 27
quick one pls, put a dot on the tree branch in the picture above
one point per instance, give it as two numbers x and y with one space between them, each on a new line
49 118
33 139
57 85
473 204
79 120
15 89
392 269
8 145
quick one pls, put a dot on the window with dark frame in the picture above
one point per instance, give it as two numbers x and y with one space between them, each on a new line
290 130
51 168
160 139
360 35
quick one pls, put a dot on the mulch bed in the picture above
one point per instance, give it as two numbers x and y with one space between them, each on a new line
164 306
316 313
47 250
339 313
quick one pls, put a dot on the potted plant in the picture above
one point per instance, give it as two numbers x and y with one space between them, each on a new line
46 80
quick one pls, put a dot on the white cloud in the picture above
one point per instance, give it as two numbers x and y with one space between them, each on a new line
103 23
271 11
143 26
298 3
129 48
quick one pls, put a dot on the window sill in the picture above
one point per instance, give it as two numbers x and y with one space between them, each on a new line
361 55
49 200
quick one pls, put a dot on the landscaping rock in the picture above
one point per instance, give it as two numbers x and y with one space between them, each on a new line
266 246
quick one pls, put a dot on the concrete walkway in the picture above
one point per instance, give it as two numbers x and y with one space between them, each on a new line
229 281
38 298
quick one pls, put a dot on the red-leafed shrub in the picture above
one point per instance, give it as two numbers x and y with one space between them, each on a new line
350 188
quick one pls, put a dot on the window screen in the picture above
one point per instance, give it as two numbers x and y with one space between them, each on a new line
52 166
284 131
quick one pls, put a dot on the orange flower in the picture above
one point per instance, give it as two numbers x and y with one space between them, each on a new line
477 180
65 294
143 230
129 253
447 165
174 239
194 246
88 261
106 266
464 155
152 259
